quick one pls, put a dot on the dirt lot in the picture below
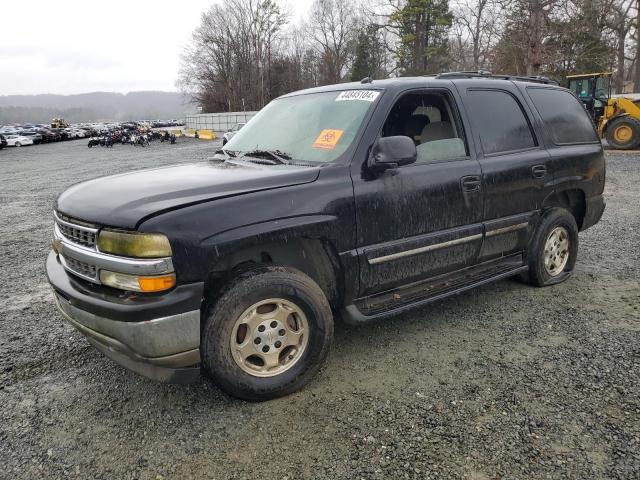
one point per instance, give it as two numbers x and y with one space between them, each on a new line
507 381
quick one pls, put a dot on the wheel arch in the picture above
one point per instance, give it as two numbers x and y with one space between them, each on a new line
573 200
315 257
615 117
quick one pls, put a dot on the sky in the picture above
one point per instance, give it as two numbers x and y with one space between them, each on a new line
85 46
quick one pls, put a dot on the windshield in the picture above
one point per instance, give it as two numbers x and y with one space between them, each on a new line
584 87
316 127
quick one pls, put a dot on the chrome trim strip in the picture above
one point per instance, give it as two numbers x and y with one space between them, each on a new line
511 228
114 263
63 261
428 248
74 225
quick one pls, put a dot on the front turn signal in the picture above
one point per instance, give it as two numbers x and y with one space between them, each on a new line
137 283
157 284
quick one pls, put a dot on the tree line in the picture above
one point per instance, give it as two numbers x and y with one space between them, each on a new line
247 52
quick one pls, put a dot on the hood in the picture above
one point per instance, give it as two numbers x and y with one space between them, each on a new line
127 199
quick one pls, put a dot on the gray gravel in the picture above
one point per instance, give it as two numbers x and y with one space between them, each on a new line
506 381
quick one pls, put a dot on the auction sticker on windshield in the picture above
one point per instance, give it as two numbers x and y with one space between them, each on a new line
362 95
328 139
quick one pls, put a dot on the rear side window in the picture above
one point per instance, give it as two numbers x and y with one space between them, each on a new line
566 119
499 119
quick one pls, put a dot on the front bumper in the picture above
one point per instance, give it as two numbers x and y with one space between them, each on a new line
158 337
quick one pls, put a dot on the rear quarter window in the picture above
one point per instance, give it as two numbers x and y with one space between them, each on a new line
565 117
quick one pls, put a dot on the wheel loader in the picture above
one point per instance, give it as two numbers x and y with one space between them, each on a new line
617 118
59 123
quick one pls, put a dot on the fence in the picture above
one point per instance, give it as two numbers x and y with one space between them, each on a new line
218 122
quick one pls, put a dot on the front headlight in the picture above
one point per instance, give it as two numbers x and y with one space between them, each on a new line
134 244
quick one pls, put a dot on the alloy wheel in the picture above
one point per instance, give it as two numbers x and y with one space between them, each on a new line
556 251
269 337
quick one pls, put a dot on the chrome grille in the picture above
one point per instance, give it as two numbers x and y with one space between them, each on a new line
81 268
76 231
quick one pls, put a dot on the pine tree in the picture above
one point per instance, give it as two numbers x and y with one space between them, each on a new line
423 28
369 54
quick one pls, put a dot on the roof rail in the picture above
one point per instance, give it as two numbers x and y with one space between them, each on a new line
486 74
465 74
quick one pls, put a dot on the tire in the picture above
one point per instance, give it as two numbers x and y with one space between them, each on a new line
18 144
223 325
559 222
623 133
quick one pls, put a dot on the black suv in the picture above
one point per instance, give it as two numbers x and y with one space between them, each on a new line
358 201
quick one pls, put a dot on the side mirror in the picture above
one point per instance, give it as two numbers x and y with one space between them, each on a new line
392 152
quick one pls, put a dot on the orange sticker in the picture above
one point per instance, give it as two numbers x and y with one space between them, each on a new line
328 139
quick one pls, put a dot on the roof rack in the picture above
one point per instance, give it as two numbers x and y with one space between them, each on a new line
487 74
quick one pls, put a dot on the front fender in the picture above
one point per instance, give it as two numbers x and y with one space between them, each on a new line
202 235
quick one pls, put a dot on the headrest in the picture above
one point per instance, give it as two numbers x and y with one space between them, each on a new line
436 131
414 125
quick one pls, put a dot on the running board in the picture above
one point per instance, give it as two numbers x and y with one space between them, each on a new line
412 296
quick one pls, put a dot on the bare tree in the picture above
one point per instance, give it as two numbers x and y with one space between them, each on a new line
331 26
476 29
636 78
621 24
227 65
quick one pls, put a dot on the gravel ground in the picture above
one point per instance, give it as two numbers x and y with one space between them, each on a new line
506 381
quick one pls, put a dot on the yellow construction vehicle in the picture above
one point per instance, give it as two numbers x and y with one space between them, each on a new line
617 118
59 123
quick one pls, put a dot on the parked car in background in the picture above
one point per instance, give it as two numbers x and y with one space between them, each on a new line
18 140
231 132
60 134
3 142
47 135
33 135
79 133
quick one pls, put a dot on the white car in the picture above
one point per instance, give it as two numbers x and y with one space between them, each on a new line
18 140
231 132
75 133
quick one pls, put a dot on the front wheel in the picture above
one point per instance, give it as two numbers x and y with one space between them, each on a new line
267 333
623 133
554 248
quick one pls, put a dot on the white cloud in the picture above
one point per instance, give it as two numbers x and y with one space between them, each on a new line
83 46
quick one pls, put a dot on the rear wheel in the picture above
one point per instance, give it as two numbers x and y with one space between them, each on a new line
267 333
18 144
623 133
554 248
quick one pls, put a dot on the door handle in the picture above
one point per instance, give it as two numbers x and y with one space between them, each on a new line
470 183
539 171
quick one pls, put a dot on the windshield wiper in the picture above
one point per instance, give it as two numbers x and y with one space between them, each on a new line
227 153
278 156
